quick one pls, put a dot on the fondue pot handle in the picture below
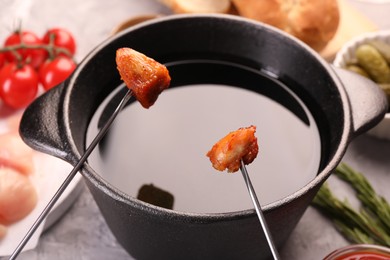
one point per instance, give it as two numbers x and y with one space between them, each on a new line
40 126
368 101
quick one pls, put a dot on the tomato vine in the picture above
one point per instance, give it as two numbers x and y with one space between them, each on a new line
27 61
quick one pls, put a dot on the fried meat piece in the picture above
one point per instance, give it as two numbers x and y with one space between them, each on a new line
234 147
144 76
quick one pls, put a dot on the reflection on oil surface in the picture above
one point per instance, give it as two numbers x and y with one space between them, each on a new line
166 146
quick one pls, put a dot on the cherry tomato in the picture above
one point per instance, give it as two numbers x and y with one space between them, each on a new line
56 71
2 59
62 38
18 86
35 57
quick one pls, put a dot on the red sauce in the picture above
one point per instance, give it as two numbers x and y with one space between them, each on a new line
364 255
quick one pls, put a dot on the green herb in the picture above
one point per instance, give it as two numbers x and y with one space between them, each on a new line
377 205
369 225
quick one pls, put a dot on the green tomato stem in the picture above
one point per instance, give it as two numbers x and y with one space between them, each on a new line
50 48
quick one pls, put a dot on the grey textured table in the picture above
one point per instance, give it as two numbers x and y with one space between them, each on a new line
82 232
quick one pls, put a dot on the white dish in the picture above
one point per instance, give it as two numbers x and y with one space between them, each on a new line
347 54
49 174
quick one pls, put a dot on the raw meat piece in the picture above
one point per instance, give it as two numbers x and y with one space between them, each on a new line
18 196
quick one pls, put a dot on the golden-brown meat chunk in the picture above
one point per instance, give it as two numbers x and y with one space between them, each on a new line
234 147
144 76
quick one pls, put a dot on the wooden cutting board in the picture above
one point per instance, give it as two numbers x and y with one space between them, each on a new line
352 24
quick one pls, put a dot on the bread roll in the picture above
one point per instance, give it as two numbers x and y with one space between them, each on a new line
198 6
315 22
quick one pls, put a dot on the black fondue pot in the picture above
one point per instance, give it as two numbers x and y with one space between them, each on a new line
197 49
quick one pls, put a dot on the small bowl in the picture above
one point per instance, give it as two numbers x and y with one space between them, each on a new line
373 252
346 55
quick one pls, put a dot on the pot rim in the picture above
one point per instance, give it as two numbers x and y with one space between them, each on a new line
119 195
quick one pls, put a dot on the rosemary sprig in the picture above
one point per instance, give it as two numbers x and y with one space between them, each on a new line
355 235
363 226
377 205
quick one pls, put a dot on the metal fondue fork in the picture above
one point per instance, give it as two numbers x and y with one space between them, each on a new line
259 212
71 175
